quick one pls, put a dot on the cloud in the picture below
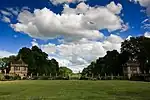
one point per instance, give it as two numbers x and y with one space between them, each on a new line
55 2
128 38
115 8
74 23
144 3
147 34
34 43
77 55
14 11
145 23
5 19
5 13
5 54
125 27
9 13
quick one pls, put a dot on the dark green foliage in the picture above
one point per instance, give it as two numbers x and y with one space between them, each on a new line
84 78
34 78
9 78
16 77
137 78
112 63
109 64
61 78
64 71
138 48
2 77
43 77
37 60
25 78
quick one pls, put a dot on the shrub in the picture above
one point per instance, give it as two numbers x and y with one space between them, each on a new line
137 78
83 78
103 78
108 78
7 77
16 77
43 78
61 78
34 78
75 78
2 77
147 78
118 77
25 78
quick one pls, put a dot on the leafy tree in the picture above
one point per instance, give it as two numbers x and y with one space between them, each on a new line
38 62
54 67
138 48
64 71
7 61
111 63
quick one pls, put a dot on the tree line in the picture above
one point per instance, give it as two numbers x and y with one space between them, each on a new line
38 63
113 62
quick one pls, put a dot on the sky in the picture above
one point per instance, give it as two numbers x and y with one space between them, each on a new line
74 32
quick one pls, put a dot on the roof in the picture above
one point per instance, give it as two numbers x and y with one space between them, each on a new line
19 62
132 62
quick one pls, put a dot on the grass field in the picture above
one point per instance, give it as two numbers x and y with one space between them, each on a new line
74 90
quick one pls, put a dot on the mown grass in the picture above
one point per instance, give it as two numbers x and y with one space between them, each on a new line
74 90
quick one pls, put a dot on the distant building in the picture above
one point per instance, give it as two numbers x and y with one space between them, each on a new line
19 68
131 68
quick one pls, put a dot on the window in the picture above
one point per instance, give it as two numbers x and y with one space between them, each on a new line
24 69
17 68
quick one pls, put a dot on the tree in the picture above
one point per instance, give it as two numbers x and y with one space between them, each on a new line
27 56
138 48
54 67
2 66
112 65
38 62
64 71
7 61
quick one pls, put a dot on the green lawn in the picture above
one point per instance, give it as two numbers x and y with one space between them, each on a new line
74 90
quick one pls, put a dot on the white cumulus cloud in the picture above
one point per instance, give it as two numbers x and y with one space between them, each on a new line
144 3
5 19
74 23
147 34
55 2
5 54
5 13
77 55
115 8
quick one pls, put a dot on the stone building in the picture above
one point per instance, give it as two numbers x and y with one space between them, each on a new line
131 68
19 68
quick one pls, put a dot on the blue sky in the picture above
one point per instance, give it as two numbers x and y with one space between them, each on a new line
65 28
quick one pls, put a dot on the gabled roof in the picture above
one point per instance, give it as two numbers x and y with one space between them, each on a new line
133 62
19 62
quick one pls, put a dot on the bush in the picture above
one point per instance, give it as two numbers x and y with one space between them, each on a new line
34 78
103 78
108 78
118 77
7 77
43 78
137 78
16 77
83 78
147 78
74 78
2 77
25 78
61 78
